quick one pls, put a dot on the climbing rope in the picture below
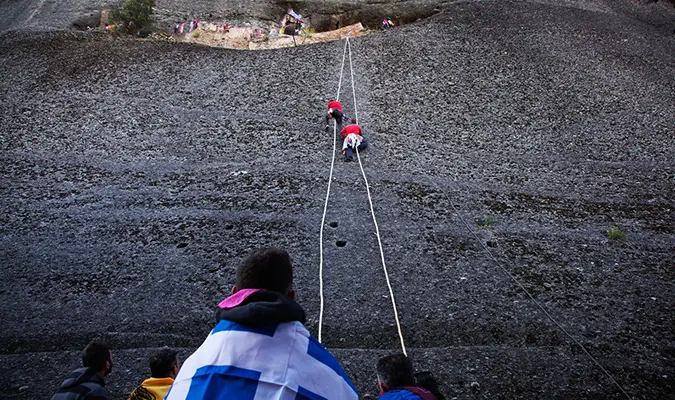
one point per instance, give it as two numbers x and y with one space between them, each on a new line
384 265
455 209
372 210
348 49
522 287
325 204
342 68
351 70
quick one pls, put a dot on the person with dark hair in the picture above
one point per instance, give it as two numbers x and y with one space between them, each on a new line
259 346
334 112
396 380
88 382
164 367
352 136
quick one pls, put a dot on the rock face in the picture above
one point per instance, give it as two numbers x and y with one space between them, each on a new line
87 21
136 174
322 14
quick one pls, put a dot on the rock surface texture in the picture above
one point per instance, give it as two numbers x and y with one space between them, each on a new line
134 175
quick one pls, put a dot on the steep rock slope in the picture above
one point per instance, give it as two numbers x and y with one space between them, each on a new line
135 174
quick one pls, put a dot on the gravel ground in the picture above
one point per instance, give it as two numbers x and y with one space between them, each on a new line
136 174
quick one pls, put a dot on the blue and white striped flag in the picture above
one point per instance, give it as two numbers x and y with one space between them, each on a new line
276 362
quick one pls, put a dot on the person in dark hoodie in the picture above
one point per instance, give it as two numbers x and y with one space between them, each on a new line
396 380
88 382
259 347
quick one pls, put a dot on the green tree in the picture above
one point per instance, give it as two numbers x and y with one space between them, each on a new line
135 17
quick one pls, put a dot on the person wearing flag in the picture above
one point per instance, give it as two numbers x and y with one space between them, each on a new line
259 348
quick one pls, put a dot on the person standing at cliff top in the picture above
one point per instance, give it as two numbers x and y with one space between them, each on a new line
387 23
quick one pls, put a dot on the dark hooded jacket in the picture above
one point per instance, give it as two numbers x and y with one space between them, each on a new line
263 308
82 384
259 348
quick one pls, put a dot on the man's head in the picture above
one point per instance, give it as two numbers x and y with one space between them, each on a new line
354 121
97 355
394 371
266 268
164 363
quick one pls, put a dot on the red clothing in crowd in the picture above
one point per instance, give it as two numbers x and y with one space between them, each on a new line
355 129
335 105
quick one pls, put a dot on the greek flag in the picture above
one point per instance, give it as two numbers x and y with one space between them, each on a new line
282 362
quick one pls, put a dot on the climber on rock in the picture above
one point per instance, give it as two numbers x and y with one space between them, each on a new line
334 112
352 136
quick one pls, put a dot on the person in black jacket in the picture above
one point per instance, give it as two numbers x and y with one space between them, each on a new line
88 382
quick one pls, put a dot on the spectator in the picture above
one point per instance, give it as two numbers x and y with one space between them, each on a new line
352 136
426 380
88 382
396 380
387 23
334 112
259 346
164 367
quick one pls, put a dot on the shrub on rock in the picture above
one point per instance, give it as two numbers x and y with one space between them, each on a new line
135 17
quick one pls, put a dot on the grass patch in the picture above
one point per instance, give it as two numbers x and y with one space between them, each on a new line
485 222
615 233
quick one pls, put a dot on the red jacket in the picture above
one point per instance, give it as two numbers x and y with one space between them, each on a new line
351 129
335 105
